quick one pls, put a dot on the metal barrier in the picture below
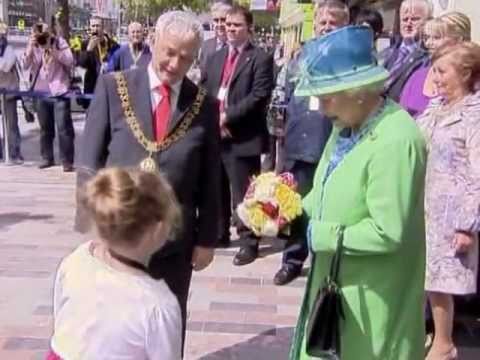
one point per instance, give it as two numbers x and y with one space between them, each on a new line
28 94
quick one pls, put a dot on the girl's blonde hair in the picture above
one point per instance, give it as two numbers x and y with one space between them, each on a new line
125 203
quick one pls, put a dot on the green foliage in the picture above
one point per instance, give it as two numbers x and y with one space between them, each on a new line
146 10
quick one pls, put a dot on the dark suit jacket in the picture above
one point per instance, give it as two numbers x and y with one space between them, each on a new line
192 164
90 61
208 48
398 80
248 96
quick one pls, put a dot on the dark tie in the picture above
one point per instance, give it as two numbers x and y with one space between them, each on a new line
162 113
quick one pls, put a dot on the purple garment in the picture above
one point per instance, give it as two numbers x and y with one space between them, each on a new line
412 98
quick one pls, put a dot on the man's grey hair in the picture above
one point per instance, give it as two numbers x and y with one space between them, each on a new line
220 7
183 24
425 4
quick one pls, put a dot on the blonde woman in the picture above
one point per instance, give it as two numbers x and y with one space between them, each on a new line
452 191
450 28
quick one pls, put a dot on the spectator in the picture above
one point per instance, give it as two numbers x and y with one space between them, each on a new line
134 54
240 76
218 11
49 57
9 80
306 133
452 193
106 306
447 29
371 18
406 55
368 192
94 56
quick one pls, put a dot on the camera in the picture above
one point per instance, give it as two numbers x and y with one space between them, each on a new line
42 35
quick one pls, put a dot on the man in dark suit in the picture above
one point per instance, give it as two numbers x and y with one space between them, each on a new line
94 56
241 77
406 55
218 11
181 123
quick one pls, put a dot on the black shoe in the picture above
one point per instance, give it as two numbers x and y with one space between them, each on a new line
46 164
68 168
245 255
285 275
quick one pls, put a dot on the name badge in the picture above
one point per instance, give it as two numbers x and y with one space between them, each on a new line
134 66
314 104
222 93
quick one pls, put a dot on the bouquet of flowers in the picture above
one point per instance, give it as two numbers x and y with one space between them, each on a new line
270 204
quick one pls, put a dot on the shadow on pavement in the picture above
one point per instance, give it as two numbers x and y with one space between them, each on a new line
272 344
8 219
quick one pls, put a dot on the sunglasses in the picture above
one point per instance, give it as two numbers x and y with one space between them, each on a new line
221 19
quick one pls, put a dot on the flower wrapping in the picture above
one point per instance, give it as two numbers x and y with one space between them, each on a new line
270 204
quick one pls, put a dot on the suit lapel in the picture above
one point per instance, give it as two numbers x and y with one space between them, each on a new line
139 93
243 60
185 99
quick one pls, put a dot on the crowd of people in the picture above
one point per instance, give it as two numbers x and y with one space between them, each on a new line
384 147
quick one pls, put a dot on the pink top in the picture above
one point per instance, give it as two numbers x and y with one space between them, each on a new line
55 76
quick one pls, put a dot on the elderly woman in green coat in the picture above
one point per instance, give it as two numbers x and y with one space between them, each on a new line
370 184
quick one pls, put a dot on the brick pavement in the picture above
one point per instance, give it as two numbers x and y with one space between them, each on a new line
234 312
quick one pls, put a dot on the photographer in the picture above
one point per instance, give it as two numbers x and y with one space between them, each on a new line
9 81
94 56
49 58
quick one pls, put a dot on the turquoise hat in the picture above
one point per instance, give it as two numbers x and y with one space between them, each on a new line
341 60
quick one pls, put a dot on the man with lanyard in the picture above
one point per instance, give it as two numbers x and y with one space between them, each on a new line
94 56
241 77
307 130
219 41
134 54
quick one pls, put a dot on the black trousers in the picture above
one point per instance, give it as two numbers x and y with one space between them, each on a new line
236 174
176 271
13 129
54 112
296 248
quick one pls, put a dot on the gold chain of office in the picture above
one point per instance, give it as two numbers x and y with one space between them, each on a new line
148 164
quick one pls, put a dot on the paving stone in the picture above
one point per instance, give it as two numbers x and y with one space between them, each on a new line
214 306
223 327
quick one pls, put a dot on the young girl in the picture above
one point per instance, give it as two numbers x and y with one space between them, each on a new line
106 306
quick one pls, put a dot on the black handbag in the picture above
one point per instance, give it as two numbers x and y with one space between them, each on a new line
325 320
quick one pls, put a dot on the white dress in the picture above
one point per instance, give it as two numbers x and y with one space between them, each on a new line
105 314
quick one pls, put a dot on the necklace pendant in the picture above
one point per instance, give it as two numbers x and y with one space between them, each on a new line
148 164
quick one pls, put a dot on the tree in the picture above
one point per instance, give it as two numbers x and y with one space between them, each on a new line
146 10
62 19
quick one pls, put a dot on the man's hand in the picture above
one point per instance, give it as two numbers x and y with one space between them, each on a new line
32 43
202 257
224 132
93 42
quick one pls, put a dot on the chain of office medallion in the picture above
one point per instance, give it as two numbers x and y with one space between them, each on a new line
132 121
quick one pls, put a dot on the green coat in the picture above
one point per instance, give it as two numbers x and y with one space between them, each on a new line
377 193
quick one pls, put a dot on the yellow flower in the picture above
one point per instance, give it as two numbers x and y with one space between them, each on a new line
289 202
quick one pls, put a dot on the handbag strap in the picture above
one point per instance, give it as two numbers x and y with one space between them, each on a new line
335 263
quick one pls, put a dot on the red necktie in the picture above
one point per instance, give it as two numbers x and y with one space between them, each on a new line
227 73
162 113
